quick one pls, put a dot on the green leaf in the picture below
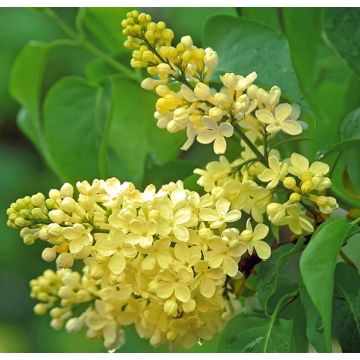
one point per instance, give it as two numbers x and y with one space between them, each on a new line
188 21
105 25
350 131
317 266
346 309
256 332
298 341
245 46
171 171
270 271
133 132
350 127
25 86
266 16
342 27
70 115
302 27
338 147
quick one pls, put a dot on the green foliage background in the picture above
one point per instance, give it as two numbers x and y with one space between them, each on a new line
72 109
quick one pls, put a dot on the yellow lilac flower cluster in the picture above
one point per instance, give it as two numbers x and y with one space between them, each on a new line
253 188
156 259
181 75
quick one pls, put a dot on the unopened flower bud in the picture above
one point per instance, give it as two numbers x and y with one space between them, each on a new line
67 190
202 91
64 260
289 182
57 216
49 254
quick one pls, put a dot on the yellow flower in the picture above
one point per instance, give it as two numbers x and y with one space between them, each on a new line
175 282
159 254
78 237
253 239
296 222
311 176
276 172
326 204
112 246
215 171
174 222
187 257
222 254
207 279
103 321
141 233
281 120
220 215
215 133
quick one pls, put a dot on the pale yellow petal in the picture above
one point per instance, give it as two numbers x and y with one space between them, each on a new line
222 206
165 290
96 322
291 127
230 266
233 215
226 129
208 214
219 145
265 116
207 287
117 263
282 112
182 216
136 226
260 232
105 247
319 168
206 136
263 249
182 292
181 233
148 263
76 245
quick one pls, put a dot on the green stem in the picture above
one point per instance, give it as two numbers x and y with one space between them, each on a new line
347 260
266 150
338 156
253 148
88 46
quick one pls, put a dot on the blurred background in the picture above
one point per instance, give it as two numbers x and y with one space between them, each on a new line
322 57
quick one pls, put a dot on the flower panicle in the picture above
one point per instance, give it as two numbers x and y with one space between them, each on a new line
209 111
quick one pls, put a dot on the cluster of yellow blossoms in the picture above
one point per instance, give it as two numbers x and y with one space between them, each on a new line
162 260
158 260
208 115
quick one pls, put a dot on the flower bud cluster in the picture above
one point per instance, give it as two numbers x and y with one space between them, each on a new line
181 76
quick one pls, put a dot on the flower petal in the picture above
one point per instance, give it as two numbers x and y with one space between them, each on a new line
230 266
105 247
226 129
219 145
263 249
207 287
265 116
282 112
117 263
233 215
181 233
291 127
182 216
182 292
260 232
206 136
165 290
